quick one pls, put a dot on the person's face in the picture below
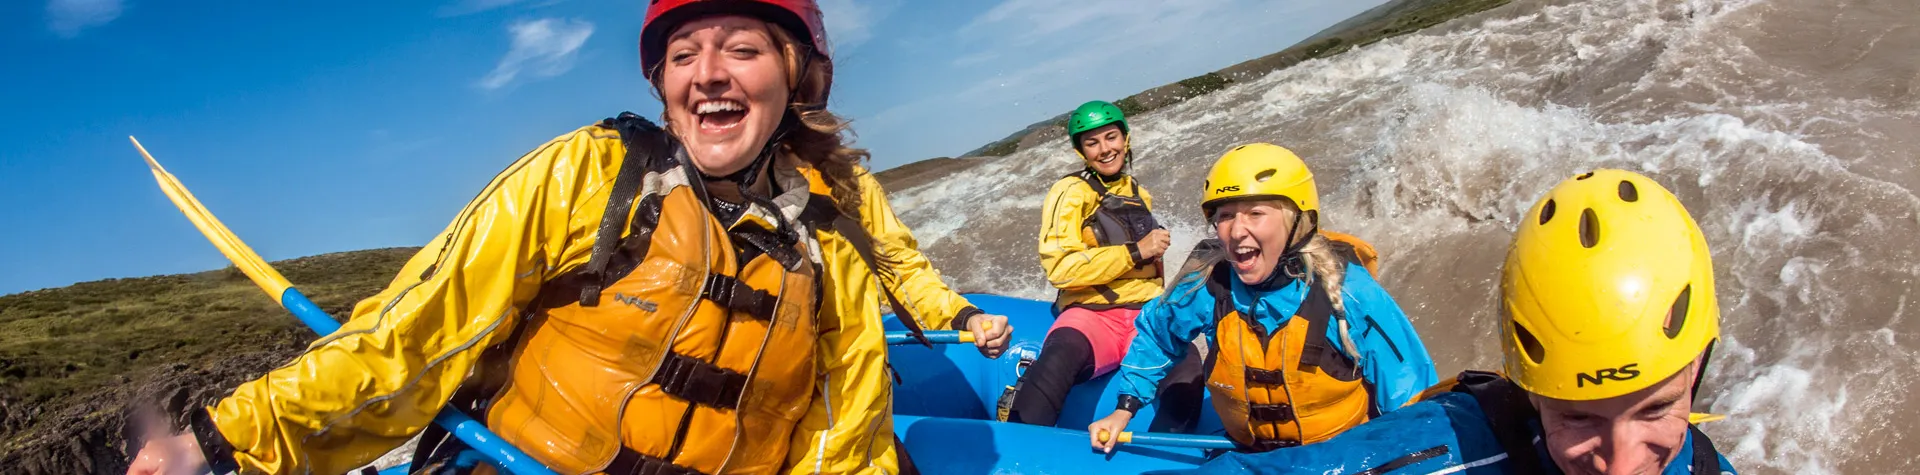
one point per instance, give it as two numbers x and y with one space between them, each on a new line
724 85
1104 149
1254 234
1638 433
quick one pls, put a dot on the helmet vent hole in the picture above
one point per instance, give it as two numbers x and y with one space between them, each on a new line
1584 176
1677 316
1546 212
1589 229
1528 344
1265 175
1628 193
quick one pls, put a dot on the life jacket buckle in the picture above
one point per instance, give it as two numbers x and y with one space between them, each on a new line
1265 376
737 296
720 289
700 382
1270 412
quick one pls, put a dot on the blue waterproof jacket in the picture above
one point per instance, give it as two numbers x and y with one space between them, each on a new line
1446 434
1392 358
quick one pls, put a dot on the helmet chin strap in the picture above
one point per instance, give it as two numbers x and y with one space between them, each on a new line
1291 264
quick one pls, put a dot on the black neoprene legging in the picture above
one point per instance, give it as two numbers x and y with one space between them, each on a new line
1066 359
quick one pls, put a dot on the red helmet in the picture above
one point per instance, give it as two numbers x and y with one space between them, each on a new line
800 17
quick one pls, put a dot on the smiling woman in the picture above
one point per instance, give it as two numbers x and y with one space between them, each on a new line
628 298
1346 352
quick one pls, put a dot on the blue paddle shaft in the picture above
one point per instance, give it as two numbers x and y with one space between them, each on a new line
498 452
1182 440
936 336
308 313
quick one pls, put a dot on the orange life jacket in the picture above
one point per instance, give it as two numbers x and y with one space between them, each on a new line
684 347
1284 387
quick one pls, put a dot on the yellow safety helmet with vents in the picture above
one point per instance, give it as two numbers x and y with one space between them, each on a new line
1260 171
1607 290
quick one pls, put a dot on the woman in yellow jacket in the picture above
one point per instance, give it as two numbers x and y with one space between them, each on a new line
701 298
1101 246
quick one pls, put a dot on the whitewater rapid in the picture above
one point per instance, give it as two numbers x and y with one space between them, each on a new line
1788 127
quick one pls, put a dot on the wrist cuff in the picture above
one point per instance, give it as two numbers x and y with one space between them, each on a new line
213 445
966 314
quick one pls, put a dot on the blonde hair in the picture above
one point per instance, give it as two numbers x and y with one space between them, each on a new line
820 138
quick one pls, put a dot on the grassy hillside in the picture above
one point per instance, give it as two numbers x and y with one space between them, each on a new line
72 359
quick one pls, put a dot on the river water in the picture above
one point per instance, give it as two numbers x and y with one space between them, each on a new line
1788 127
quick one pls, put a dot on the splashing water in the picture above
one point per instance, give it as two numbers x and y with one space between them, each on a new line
1787 127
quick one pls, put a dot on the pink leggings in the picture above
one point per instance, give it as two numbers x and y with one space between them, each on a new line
1109 331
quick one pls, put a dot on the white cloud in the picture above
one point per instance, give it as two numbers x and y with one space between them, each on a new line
541 48
850 22
68 17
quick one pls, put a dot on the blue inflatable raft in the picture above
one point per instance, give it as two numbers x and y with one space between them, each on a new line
945 403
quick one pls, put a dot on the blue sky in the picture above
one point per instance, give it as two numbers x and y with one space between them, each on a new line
355 124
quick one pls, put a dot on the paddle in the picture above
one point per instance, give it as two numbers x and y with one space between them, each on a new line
497 452
936 336
1171 440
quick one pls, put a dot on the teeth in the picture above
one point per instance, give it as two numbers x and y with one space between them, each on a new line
709 107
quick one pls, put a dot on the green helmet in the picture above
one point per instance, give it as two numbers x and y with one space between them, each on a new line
1094 115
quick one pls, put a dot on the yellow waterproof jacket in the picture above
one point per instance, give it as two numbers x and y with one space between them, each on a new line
1087 273
380 379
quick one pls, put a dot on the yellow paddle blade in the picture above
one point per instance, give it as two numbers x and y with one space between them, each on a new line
242 256
1702 418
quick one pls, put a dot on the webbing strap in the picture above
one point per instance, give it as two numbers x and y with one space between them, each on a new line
630 462
737 296
1265 376
700 382
1706 459
626 185
1281 412
1100 188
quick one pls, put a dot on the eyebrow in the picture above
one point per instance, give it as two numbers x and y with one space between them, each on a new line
730 31
1664 402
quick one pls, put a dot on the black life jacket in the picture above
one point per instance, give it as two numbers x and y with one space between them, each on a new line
1118 219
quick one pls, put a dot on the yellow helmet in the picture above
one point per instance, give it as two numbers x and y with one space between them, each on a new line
1608 289
1260 171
